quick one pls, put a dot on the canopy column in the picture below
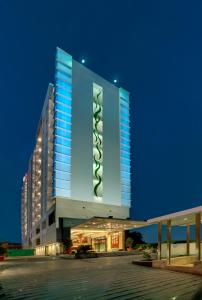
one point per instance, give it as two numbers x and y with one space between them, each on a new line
188 239
159 239
169 241
198 235
124 240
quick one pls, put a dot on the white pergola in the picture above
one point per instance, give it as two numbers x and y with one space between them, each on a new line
182 218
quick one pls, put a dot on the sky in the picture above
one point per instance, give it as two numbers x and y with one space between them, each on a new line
153 48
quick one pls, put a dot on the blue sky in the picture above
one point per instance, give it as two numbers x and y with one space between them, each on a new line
154 48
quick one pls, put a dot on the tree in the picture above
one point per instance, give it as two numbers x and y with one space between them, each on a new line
67 243
129 242
137 237
3 251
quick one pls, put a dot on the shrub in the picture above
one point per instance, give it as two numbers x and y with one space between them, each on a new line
140 246
146 256
84 249
153 250
3 251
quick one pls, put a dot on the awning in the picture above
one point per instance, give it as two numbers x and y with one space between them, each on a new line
111 224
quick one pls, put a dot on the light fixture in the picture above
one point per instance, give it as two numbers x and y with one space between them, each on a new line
115 80
83 61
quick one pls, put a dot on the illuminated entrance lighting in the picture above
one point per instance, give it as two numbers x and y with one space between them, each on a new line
83 61
115 80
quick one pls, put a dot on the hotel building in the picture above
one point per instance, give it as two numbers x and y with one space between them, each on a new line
78 178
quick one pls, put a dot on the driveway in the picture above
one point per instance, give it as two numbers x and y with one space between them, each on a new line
101 278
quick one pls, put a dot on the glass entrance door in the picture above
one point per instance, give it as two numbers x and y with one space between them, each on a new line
100 244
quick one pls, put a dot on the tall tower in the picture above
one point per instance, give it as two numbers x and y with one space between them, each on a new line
80 166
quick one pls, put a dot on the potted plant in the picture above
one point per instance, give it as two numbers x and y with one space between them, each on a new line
3 253
129 243
67 243
145 261
147 256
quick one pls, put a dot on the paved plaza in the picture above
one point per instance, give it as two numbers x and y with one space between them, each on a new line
101 278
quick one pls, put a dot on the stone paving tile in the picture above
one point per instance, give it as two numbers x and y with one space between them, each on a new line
94 279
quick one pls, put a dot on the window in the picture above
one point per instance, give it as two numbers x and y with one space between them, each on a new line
51 218
124 146
62 130
44 225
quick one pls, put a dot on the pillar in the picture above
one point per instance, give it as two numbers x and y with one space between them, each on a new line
169 241
109 242
123 240
198 235
188 239
159 239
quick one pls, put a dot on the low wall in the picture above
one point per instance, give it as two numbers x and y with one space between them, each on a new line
160 264
179 249
196 267
183 260
20 252
175 261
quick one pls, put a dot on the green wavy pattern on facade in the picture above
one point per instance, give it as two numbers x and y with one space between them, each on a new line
98 141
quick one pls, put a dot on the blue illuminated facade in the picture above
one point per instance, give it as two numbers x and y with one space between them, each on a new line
66 90
62 125
125 147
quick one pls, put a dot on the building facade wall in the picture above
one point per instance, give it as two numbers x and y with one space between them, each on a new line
82 138
87 210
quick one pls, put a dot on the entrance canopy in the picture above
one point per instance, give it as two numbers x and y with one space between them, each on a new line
110 224
103 234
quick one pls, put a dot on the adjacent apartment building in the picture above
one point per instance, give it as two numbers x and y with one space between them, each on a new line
78 178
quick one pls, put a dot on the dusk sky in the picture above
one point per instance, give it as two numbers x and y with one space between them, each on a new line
153 48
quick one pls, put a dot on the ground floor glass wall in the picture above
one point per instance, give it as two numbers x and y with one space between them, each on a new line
101 241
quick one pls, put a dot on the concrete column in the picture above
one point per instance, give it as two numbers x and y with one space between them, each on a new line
188 239
169 241
109 242
198 235
159 239
123 240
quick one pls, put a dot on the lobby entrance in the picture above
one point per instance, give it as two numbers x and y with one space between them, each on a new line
103 234
100 244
